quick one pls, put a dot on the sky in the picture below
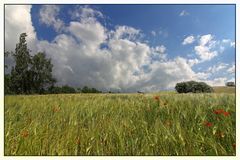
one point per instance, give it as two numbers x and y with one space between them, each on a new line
128 48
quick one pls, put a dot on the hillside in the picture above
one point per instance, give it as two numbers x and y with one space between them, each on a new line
224 89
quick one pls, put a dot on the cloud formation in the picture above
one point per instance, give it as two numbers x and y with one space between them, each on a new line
86 53
217 68
205 48
188 40
49 16
17 21
231 69
183 13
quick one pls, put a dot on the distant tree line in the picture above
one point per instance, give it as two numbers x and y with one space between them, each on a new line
194 87
33 74
68 89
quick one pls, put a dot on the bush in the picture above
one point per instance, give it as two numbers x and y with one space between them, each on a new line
194 87
230 84
68 89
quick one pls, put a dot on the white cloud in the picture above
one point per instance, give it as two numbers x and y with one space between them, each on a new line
126 32
49 16
153 33
188 40
194 61
206 39
203 76
183 13
167 73
160 49
17 21
232 44
158 52
205 48
204 53
90 33
231 69
226 41
217 68
220 81
229 42
83 62
85 12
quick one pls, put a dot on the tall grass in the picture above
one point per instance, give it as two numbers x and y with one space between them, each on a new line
120 124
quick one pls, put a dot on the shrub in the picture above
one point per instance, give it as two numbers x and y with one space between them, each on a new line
68 89
193 86
230 84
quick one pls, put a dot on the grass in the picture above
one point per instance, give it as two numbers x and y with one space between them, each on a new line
224 89
120 124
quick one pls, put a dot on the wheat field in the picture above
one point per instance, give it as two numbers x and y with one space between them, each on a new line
120 124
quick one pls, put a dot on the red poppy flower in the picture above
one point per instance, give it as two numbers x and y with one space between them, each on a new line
234 146
208 124
226 114
56 109
25 133
157 98
219 111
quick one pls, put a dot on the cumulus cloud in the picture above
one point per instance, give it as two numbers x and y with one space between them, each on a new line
208 47
183 13
205 48
194 61
188 40
159 52
231 69
49 16
228 42
122 32
17 21
220 81
90 32
83 62
85 12
217 68
87 53
160 49
166 74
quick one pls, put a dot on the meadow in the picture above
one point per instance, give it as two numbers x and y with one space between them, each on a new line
120 124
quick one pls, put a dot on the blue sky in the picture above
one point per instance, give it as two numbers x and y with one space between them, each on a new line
209 32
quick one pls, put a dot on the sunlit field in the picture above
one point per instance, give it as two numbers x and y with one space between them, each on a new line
120 124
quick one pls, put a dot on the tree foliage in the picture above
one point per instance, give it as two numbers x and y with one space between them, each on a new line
89 90
194 87
41 72
68 89
20 73
30 74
